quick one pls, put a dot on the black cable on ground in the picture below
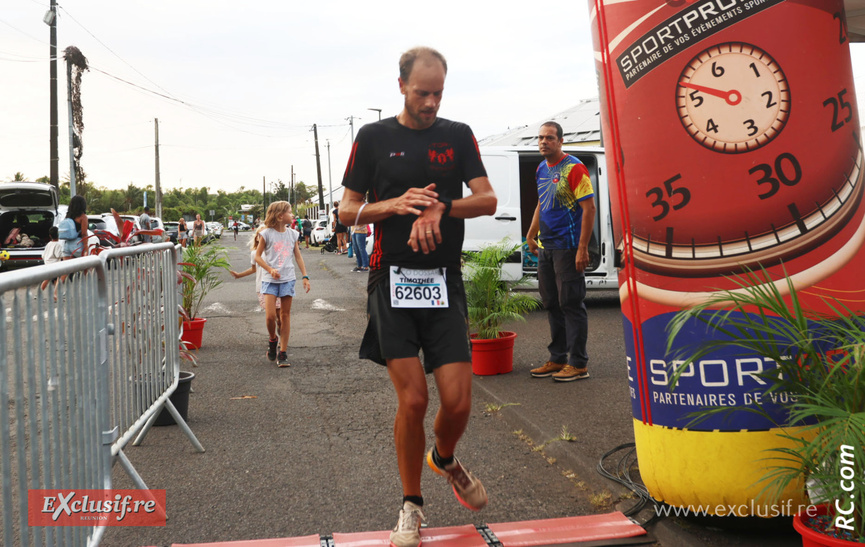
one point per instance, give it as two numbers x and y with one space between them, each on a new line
622 475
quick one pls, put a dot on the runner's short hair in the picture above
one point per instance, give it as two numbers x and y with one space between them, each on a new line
406 61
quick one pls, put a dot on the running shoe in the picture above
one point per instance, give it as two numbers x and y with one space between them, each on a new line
406 533
282 360
467 488
271 349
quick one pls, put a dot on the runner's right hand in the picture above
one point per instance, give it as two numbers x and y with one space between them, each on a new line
408 203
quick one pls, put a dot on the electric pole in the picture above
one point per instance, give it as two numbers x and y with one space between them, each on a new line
318 169
351 123
54 153
329 182
72 138
158 186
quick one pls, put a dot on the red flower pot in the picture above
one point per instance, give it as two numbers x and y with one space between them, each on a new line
813 538
192 332
495 356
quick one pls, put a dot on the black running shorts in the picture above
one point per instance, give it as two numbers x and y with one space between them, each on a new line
396 333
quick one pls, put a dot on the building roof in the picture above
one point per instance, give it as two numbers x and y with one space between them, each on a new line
581 125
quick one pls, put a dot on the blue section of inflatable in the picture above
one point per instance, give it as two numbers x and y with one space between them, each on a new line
729 378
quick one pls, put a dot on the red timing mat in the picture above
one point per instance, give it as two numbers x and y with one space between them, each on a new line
454 536
305 541
565 530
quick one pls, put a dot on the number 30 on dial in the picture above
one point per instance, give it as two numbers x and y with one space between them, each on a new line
733 98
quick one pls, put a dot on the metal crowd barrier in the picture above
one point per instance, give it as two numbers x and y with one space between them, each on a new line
82 375
144 354
53 394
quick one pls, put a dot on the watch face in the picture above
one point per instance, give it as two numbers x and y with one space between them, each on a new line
733 97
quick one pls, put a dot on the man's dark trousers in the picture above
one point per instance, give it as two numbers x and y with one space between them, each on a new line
563 290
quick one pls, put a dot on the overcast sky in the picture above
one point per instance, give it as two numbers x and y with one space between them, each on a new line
247 80
236 86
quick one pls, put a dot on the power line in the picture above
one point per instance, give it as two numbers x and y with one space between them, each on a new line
232 120
13 27
112 51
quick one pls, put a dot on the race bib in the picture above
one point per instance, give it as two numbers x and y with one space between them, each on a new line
417 288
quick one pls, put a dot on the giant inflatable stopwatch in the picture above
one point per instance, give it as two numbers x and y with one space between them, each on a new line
733 141
749 152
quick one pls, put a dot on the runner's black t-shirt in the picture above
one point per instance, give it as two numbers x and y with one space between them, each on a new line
388 158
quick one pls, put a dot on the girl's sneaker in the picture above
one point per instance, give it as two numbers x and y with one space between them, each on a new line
271 349
282 360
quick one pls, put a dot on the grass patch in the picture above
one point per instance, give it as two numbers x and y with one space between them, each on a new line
492 408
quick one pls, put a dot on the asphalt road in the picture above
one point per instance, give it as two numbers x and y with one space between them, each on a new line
309 449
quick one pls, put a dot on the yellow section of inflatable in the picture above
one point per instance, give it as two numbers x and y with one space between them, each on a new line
717 470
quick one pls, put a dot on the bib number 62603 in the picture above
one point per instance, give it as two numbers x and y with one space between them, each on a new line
418 288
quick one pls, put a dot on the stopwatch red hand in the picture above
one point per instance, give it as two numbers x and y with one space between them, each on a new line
732 97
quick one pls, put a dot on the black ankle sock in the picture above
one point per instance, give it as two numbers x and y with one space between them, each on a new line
417 500
439 461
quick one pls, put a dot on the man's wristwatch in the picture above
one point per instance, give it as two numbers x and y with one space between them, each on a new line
448 204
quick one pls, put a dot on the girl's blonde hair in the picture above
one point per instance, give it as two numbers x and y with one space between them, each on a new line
253 243
274 211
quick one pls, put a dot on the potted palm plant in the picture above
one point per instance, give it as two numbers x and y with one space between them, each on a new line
199 277
491 302
821 364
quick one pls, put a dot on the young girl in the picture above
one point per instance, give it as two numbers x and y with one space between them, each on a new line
273 255
53 253
253 245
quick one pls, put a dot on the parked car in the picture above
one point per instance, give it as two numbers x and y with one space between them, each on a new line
29 208
135 224
157 224
320 231
215 227
243 227
209 234
99 224
170 233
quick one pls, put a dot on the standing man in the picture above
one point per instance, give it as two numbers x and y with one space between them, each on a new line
144 222
413 166
565 215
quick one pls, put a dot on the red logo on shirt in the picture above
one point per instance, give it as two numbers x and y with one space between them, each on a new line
441 156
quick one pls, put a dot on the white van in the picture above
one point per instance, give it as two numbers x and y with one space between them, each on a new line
511 171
